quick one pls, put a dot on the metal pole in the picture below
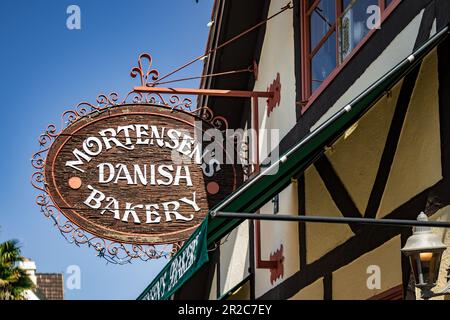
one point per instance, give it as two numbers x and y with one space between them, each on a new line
251 254
335 220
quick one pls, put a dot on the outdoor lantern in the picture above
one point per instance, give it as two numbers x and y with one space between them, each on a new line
424 249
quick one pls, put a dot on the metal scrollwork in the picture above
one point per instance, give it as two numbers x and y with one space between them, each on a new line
113 252
144 76
207 115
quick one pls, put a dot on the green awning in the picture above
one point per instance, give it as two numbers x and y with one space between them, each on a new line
259 190
181 267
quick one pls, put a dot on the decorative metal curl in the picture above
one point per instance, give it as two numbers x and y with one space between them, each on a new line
38 181
38 161
175 102
144 76
107 101
137 97
220 123
113 252
207 115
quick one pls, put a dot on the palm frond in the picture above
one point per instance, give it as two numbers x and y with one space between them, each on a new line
14 281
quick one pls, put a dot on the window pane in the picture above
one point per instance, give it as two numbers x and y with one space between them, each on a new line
354 25
323 62
321 20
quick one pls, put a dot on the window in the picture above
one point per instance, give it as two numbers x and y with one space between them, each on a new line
331 31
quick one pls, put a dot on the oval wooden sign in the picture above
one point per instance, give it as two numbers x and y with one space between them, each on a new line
135 174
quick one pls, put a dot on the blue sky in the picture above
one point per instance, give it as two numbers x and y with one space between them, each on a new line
46 69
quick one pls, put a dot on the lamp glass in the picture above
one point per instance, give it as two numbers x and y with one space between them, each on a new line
425 266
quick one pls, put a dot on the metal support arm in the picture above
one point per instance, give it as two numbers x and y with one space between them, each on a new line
206 92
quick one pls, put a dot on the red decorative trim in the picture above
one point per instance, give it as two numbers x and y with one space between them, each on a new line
277 272
274 101
276 259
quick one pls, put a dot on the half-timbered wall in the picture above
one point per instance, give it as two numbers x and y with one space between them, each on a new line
382 167
393 163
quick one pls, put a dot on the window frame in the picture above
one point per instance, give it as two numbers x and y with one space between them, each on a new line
307 96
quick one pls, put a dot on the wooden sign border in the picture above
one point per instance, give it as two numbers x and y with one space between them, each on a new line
64 136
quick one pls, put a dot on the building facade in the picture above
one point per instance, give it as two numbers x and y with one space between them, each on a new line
391 160
48 286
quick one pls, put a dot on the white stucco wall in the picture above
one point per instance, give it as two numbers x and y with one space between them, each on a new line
234 258
277 56
274 234
30 268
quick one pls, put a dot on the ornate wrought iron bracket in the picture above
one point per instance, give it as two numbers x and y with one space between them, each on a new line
273 95
113 252
146 93
149 80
